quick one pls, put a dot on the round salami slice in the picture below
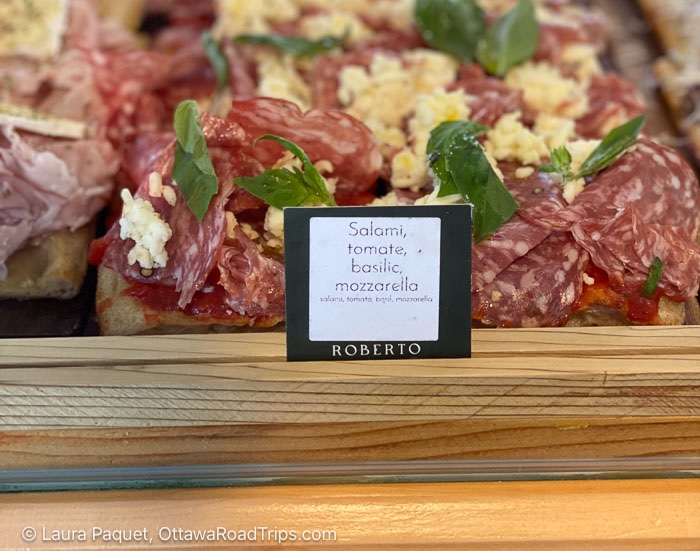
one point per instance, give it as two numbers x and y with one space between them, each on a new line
323 134
537 290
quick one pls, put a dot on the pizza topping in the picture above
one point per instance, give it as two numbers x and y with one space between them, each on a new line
536 290
217 59
294 45
193 171
652 282
459 162
282 187
460 29
547 90
510 140
510 40
149 232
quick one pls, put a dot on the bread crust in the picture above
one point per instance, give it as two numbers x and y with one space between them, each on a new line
55 267
120 314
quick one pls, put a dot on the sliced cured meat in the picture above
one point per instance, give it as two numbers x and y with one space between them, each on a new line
537 290
254 283
489 98
324 134
511 241
625 248
644 205
612 101
48 184
195 247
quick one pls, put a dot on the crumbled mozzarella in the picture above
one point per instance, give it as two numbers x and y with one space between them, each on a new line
524 171
545 89
33 27
386 91
510 140
583 59
496 296
555 131
169 195
433 109
408 166
315 27
409 170
274 227
141 223
236 17
580 151
588 280
388 200
278 77
155 184
231 223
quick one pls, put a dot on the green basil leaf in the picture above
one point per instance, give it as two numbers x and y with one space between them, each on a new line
451 26
512 39
560 163
281 187
193 170
295 45
461 165
217 59
613 144
441 137
655 272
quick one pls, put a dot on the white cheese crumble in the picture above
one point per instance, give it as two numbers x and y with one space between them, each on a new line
588 280
279 78
524 171
580 151
236 17
315 27
141 223
582 59
274 227
510 140
386 91
545 89
33 27
555 131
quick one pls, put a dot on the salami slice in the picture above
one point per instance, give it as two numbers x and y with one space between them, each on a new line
324 134
644 205
254 283
537 290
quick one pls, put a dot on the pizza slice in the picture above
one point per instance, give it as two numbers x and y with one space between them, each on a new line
57 165
361 90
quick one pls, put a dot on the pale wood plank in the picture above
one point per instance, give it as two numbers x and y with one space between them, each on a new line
541 438
514 515
271 346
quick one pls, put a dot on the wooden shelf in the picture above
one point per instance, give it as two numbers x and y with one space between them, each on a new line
203 399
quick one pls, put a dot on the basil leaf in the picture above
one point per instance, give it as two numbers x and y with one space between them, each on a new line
613 144
281 187
193 170
441 138
295 45
451 26
655 272
512 39
460 164
560 163
217 59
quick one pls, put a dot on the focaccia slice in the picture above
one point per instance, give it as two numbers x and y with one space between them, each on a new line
53 268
